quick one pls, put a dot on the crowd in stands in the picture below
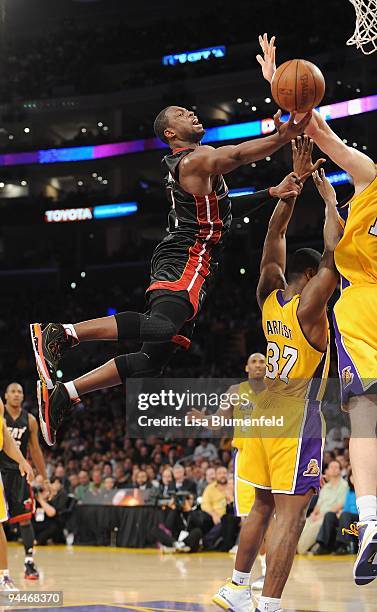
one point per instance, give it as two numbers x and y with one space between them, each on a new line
72 58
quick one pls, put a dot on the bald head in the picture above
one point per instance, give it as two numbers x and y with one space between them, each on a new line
256 366
14 395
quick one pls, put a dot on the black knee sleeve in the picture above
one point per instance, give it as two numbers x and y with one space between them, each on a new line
156 327
136 365
27 535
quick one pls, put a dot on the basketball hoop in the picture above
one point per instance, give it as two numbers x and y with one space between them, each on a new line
365 34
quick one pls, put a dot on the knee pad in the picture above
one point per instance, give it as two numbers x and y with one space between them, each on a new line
156 327
136 365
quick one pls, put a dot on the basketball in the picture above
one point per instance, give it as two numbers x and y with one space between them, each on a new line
298 85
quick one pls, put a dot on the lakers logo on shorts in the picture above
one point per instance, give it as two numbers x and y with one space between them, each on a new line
347 376
312 469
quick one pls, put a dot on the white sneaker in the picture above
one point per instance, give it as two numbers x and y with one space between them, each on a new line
234 597
7 584
365 568
181 547
233 550
258 584
167 550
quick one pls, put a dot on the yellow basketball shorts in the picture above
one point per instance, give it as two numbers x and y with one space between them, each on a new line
288 462
356 340
244 492
3 503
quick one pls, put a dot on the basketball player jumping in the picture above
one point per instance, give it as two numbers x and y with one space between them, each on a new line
23 429
10 448
182 264
286 467
354 322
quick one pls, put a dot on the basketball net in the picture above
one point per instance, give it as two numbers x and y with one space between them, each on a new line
365 34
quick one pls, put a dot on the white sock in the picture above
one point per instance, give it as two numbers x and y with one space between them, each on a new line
240 578
367 507
269 604
70 331
72 391
262 559
29 559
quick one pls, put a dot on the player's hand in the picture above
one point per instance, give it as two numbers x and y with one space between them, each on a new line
324 187
290 187
26 470
289 129
302 150
267 62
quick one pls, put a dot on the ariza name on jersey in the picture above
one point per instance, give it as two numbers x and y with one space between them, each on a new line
278 328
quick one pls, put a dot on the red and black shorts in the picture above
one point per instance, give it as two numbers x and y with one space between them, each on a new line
19 496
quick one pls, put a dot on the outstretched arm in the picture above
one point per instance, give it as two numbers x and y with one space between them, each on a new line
209 161
314 297
273 264
357 164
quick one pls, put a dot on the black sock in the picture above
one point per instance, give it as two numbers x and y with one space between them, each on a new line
27 535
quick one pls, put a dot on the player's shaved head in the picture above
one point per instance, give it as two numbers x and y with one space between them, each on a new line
256 366
303 261
161 123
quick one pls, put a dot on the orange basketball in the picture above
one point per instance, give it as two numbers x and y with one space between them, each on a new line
298 85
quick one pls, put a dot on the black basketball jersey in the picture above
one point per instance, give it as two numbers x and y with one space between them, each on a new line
19 431
206 218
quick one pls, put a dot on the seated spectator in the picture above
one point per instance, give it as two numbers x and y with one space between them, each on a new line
332 536
83 488
335 438
73 483
181 483
96 484
152 476
181 526
167 487
122 480
331 499
49 520
142 481
107 469
210 476
205 450
60 473
217 502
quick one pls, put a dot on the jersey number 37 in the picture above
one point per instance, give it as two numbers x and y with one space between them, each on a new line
280 363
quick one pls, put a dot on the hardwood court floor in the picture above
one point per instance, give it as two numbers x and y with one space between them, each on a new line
105 579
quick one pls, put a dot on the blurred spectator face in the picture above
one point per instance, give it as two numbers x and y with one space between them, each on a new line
226 457
109 483
107 470
97 477
178 473
341 460
157 458
190 443
188 472
210 475
84 477
74 481
139 443
150 472
333 469
144 452
167 477
128 465
56 486
141 478
204 465
59 471
197 472
221 475
119 471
